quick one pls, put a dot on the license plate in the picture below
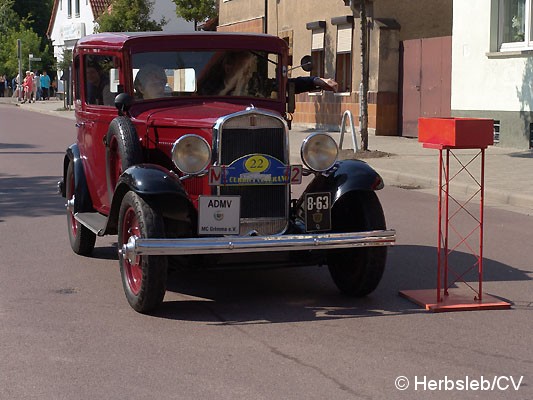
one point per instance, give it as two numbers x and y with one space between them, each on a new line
219 215
317 212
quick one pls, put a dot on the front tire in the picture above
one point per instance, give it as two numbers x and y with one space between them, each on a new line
82 240
144 279
358 271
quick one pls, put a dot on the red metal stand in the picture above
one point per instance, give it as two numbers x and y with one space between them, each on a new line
466 296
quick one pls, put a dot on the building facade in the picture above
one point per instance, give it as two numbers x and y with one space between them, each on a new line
492 71
329 31
73 19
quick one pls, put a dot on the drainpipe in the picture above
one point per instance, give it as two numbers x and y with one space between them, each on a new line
265 20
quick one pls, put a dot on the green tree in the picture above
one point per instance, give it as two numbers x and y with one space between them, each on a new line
196 10
30 42
66 61
36 11
129 16
9 19
16 23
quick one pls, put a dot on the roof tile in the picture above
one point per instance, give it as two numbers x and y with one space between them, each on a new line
99 6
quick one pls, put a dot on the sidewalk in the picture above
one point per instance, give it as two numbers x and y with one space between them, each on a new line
508 172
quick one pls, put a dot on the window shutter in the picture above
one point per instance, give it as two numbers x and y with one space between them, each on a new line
344 38
317 41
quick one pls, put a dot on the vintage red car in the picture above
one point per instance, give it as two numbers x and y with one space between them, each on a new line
193 169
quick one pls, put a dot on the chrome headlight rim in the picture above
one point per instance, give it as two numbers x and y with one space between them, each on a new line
202 144
305 156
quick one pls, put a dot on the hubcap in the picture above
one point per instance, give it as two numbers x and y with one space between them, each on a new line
70 206
132 268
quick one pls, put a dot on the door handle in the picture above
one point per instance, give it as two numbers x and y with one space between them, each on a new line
80 124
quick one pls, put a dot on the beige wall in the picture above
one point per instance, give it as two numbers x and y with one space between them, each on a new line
417 19
237 11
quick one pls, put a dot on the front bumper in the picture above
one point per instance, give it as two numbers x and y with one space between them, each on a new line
250 244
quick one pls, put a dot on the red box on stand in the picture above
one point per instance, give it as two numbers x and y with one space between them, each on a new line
456 132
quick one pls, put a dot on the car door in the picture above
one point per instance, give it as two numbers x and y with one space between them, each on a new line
99 77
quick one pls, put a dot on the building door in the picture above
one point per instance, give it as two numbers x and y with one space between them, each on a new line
425 72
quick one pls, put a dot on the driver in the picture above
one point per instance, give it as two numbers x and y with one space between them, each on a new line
235 76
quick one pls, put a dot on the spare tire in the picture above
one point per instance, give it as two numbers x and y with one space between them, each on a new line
123 150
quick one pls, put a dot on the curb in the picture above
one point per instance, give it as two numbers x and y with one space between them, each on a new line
399 179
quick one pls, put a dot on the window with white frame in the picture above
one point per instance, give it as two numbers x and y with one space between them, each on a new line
77 8
515 24
69 8
343 71
318 32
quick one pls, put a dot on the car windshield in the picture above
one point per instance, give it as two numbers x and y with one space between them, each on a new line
242 73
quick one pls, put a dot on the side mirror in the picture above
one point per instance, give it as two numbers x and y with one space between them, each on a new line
123 102
307 63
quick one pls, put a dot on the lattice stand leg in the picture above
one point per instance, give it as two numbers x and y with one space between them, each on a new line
466 296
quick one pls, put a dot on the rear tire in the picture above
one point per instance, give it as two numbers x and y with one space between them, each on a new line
358 271
144 279
82 240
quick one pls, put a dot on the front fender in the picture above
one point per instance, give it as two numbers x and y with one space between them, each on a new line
347 176
158 186
82 198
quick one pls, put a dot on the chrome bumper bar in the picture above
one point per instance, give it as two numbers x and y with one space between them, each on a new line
250 244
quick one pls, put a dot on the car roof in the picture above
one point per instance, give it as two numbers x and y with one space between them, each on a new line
193 40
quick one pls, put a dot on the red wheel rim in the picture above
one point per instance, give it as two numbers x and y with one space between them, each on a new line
115 163
133 271
70 213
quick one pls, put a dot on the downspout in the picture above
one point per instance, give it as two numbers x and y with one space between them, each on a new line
265 20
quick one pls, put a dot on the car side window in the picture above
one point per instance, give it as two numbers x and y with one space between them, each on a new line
100 72
77 92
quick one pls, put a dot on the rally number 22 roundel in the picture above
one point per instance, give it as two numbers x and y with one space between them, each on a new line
257 163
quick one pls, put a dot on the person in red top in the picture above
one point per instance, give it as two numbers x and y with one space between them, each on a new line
28 87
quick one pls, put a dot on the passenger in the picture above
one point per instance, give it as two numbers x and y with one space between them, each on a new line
150 82
97 84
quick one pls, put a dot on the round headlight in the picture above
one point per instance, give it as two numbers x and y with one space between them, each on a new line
319 152
191 154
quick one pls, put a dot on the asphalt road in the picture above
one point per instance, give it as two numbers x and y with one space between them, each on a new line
67 332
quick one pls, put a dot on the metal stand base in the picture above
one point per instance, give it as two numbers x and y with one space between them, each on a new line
460 299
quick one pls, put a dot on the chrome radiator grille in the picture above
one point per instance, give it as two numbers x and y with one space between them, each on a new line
264 208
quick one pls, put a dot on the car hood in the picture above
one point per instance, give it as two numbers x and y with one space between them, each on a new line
189 116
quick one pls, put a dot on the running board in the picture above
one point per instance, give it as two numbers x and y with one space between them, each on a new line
93 221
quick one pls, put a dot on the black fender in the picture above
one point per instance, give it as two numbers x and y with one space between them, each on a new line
347 176
159 187
82 200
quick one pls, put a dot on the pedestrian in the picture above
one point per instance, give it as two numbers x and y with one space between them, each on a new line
37 86
28 87
45 85
2 85
15 86
53 88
